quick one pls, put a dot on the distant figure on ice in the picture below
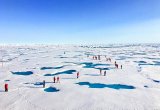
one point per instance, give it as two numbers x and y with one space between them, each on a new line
106 59
116 65
95 57
109 59
104 73
77 75
115 62
6 87
54 79
99 57
58 79
121 66
44 83
100 71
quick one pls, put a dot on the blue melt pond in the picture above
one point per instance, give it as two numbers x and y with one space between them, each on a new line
156 62
146 86
25 73
64 72
48 75
103 68
46 68
51 89
91 65
150 64
141 62
112 86
38 83
63 57
156 81
152 58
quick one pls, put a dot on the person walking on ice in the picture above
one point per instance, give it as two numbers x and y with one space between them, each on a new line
121 66
116 65
6 87
77 75
99 57
44 83
58 79
100 71
95 57
104 73
54 79
109 59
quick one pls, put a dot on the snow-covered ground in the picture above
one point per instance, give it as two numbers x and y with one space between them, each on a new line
135 87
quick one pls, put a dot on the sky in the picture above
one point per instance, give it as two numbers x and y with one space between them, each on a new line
79 21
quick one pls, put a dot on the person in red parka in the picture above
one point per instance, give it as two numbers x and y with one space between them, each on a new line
77 74
6 87
58 79
54 79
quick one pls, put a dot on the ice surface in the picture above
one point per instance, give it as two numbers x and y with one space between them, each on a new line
134 87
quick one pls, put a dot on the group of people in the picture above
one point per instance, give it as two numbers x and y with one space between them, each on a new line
108 59
98 57
57 80
116 65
